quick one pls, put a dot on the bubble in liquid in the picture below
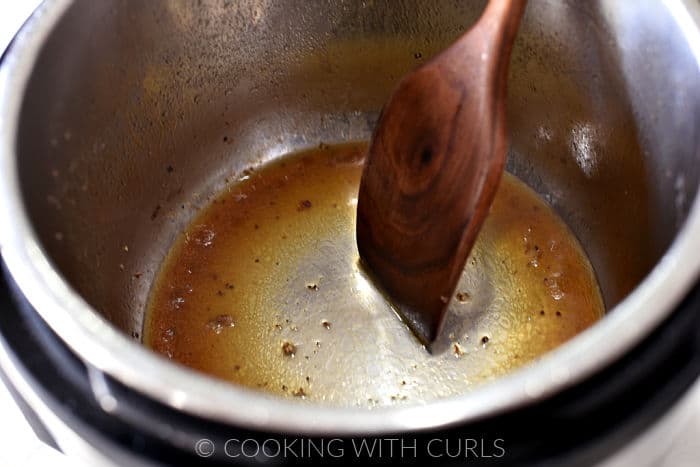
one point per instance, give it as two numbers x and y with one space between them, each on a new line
553 287
168 335
177 302
220 323
203 237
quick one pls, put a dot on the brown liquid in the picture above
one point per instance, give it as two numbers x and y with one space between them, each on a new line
263 290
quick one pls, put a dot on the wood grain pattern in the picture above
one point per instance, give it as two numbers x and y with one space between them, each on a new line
433 168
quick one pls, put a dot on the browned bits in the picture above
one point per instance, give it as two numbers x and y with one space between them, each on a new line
457 349
236 368
542 312
299 392
220 323
485 340
304 205
138 275
288 349
229 286
558 313
312 286
462 297
170 169
326 324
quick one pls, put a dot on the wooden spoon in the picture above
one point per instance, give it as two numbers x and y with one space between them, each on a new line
434 164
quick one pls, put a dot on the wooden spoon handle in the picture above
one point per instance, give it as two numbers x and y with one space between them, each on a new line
492 38
433 168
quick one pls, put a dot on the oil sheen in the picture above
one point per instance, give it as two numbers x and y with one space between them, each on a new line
263 290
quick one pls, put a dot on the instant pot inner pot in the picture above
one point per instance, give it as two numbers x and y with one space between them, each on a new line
138 113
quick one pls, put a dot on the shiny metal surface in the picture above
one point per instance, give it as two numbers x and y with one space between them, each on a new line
120 120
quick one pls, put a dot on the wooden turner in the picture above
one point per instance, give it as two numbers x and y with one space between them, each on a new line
434 165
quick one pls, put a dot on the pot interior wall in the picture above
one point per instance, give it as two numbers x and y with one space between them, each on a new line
138 112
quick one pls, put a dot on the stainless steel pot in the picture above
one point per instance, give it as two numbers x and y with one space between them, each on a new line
114 117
